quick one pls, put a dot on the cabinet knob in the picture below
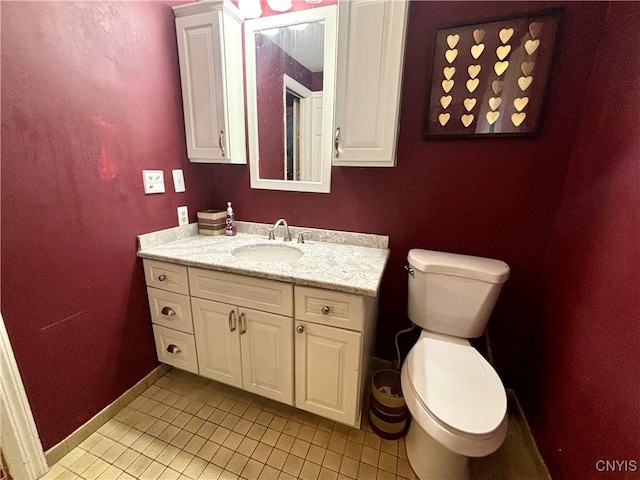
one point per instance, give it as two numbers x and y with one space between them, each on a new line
325 310
300 328
232 321
173 349
168 311
243 324
162 277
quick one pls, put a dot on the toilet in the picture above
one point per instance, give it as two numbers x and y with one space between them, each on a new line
457 401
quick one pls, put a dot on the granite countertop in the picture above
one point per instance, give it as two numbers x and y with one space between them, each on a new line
336 266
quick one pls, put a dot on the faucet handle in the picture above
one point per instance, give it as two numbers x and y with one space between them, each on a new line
302 234
272 233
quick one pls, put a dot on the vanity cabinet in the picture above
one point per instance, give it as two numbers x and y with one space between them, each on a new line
334 342
245 347
303 346
168 290
369 78
210 55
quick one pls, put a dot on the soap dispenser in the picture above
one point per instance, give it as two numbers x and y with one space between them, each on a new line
231 221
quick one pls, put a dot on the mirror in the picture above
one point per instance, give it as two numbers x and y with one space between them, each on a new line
290 74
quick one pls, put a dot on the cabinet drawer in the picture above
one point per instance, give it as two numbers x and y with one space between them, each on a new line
172 310
167 276
266 295
176 348
328 307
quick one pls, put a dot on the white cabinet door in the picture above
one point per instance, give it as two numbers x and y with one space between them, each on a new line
201 73
267 354
371 41
327 371
217 341
210 55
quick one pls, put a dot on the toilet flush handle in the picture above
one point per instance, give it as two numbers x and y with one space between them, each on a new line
409 269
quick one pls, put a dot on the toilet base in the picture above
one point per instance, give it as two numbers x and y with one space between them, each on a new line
430 460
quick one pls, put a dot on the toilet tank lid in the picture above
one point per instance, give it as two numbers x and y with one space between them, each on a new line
477 268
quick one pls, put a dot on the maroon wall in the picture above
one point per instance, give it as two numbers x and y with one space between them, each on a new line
587 393
489 197
90 97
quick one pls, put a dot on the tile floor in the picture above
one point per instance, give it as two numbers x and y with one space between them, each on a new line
187 427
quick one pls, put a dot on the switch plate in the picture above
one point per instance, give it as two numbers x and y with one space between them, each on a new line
178 181
153 181
183 216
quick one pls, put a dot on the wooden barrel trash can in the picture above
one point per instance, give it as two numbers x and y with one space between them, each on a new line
388 414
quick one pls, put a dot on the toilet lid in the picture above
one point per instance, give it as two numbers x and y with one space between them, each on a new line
457 385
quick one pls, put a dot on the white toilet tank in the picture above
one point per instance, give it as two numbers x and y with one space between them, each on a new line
451 293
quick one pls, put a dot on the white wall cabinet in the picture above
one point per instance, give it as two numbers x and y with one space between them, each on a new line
241 331
371 38
210 54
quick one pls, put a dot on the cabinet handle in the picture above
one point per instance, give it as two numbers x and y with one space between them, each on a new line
168 311
173 349
221 142
336 143
300 329
325 310
232 321
243 324
162 277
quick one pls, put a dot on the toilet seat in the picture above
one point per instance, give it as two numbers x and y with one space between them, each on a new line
455 394
458 386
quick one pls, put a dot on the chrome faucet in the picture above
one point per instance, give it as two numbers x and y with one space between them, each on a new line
272 230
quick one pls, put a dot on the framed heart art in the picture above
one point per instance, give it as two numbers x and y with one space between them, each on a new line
490 78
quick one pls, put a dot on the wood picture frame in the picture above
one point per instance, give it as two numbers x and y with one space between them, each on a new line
489 78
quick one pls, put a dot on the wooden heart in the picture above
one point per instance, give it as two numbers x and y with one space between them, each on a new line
534 29
478 35
449 72
443 118
447 85
518 118
494 102
524 82
501 67
452 40
527 67
496 86
474 70
472 84
445 101
531 46
451 55
520 103
477 50
466 119
492 117
506 34
469 103
503 51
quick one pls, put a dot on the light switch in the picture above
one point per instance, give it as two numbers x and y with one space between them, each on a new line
178 181
183 216
153 181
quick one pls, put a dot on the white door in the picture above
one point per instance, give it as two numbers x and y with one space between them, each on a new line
201 73
267 354
216 327
327 371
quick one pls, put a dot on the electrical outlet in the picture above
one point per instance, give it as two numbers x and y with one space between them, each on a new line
183 216
178 181
153 181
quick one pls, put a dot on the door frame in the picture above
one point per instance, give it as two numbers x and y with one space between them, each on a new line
19 438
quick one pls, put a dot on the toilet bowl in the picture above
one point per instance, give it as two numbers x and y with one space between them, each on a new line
456 399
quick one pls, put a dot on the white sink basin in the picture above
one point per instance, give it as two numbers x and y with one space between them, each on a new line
267 253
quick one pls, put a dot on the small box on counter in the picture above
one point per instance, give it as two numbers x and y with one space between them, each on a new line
212 222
